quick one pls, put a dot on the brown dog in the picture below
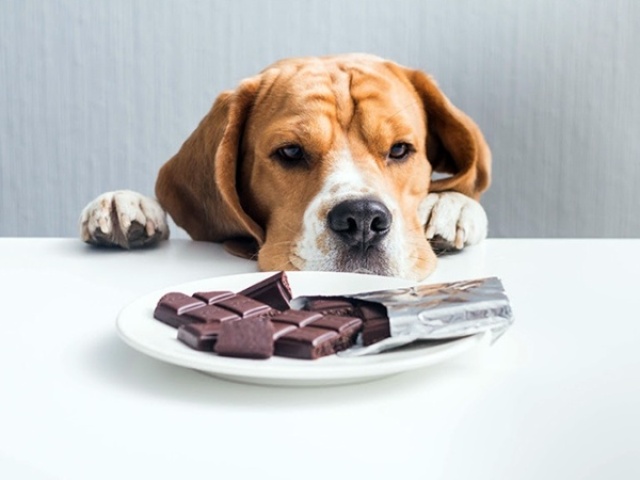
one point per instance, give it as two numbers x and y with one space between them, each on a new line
318 164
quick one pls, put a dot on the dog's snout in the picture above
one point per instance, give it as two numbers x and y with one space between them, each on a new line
360 223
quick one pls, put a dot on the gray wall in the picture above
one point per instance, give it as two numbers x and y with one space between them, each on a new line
95 96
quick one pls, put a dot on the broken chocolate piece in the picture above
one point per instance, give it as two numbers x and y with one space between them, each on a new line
246 337
274 291
306 342
244 306
199 336
172 306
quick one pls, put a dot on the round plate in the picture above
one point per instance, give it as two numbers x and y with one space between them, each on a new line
137 327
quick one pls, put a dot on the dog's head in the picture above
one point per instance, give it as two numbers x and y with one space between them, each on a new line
322 163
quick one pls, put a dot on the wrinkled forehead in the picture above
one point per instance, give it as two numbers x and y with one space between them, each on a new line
321 95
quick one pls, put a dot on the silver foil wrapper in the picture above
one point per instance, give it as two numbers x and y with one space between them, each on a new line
439 311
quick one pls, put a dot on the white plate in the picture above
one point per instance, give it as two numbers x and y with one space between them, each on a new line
137 327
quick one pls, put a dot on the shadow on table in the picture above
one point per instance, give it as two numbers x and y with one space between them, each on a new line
126 368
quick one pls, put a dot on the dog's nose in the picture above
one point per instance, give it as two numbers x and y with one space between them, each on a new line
360 223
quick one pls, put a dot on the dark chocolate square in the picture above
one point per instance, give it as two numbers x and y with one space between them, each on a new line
246 337
244 306
179 302
306 342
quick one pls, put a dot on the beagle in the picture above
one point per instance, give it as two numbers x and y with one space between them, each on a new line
318 164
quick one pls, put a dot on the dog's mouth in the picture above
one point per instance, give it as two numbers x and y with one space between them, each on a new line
373 261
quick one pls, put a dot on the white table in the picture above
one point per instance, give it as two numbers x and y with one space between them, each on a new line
558 397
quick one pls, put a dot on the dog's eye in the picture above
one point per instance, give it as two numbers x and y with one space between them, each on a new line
291 153
400 151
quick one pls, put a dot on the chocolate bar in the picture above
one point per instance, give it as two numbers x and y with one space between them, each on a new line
247 326
432 312
275 291
244 325
246 337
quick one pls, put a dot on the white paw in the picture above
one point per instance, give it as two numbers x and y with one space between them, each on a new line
123 218
453 220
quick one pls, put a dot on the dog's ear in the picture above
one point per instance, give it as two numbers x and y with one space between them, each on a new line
455 144
198 186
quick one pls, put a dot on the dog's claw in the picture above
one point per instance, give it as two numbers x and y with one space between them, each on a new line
460 237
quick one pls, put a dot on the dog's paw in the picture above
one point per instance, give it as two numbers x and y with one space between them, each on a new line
123 218
452 220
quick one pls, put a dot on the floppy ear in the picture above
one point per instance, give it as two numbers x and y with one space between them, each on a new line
455 144
197 187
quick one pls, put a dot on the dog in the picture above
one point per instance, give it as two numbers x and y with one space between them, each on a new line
318 163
